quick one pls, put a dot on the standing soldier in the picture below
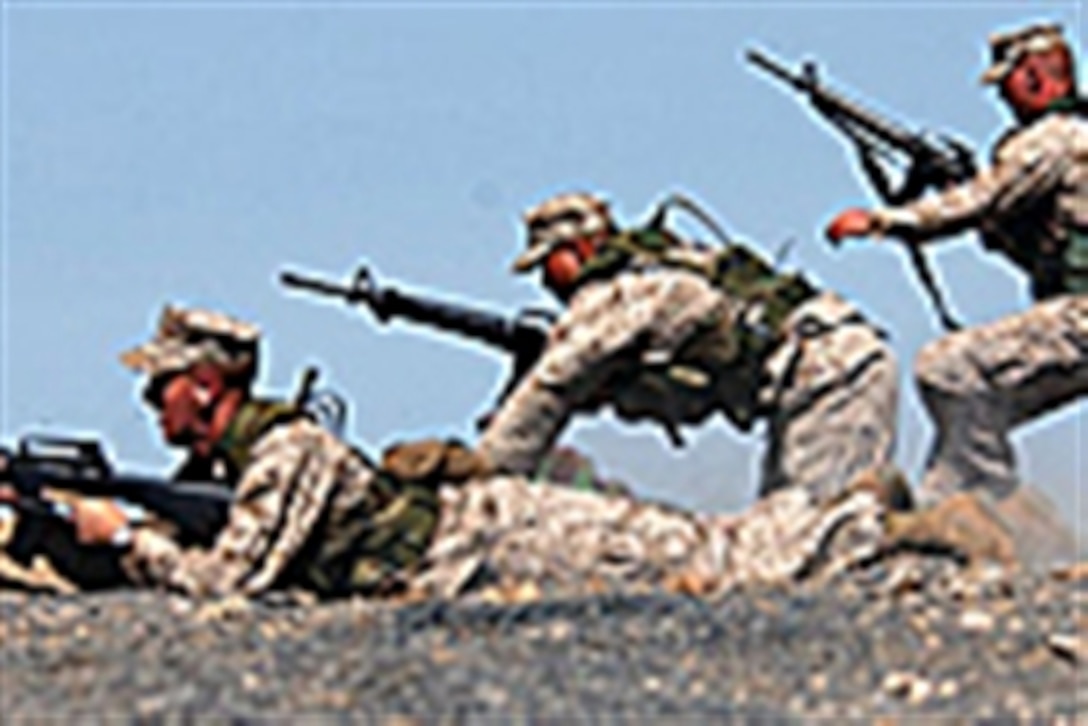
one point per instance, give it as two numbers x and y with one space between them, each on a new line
664 329
1031 205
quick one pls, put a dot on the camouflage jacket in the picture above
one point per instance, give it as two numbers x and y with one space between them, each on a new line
1031 204
610 334
309 510
661 342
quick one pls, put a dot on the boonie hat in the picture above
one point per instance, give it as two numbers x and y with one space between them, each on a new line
188 336
1006 49
562 218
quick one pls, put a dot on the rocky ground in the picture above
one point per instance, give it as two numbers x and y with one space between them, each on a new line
907 637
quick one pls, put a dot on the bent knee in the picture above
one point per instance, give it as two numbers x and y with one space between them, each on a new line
945 365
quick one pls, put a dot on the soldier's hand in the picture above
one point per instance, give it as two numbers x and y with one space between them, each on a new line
98 521
850 223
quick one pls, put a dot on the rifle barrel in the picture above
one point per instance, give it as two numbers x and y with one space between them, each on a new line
839 109
313 284
775 68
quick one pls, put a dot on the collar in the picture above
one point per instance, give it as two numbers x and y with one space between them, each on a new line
236 431
1069 104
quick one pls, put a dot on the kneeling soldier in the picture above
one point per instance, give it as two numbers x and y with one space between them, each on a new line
664 329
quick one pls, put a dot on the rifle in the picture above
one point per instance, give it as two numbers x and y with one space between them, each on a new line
934 162
522 336
197 509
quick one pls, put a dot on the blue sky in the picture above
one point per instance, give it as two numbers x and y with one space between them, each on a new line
187 152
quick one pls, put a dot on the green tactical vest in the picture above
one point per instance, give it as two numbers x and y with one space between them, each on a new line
252 421
1062 271
1076 263
371 547
723 357
361 550
1058 272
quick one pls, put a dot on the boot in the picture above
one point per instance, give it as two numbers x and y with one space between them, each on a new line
966 524
1041 535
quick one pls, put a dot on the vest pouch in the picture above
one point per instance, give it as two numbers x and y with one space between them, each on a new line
716 368
720 367
1075 268
369 550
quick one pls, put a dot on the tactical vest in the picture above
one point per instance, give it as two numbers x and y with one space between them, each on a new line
373 547
1074 258
252 421
722 363
1058 271
360 550
1063 272
232 453
1076 263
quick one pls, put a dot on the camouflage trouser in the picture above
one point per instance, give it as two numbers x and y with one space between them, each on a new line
832 398
979 384
506 530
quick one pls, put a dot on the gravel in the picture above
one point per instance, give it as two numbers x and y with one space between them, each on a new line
903 638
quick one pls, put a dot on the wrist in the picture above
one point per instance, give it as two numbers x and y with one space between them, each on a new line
889 220
123 537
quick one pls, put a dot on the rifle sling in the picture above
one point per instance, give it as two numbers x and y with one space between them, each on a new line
929 282
918 259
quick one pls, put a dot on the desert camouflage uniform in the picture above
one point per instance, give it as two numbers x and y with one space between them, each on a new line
827 391
429 519
300 484
309 510
505 531
498 531
979 384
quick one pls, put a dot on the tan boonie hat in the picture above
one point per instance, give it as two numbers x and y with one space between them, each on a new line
188 336
562 218
1006 49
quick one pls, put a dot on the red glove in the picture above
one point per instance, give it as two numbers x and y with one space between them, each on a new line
850 223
